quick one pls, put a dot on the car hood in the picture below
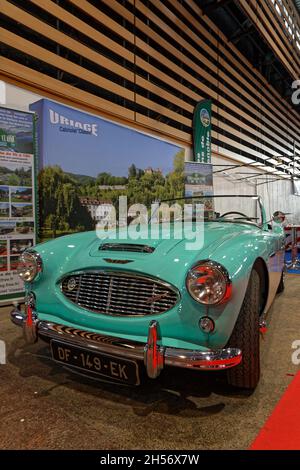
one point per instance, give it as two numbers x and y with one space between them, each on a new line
159 256
168 259
160 244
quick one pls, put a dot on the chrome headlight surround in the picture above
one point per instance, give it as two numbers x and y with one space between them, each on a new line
29 265
209 283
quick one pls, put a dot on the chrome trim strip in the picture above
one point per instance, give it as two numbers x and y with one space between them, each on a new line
126 247
155 356
118 261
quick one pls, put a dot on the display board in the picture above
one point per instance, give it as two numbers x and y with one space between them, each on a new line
86 163
17 196
198 179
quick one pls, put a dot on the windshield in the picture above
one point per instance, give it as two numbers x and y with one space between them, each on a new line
219 208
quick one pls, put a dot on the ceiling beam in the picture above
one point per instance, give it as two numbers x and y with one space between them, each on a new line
210 7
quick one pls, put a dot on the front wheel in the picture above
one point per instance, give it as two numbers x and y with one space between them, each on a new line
245 336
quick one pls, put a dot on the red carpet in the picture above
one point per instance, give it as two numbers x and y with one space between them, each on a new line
282 429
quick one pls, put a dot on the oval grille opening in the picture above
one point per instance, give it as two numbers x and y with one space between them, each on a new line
112 293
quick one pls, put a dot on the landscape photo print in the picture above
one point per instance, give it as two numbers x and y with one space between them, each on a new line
86 163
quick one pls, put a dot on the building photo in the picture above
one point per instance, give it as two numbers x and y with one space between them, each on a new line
149 229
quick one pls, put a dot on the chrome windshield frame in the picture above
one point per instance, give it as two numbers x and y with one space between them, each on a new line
251 196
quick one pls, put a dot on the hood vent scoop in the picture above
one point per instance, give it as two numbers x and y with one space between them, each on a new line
128 247
118 261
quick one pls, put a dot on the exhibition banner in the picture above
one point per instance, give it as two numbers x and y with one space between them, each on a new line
86 163
17 196
202 132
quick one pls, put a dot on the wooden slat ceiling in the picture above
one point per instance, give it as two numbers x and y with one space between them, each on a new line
265 18
146 63
273 28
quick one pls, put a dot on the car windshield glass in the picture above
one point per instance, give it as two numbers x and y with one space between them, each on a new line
219 208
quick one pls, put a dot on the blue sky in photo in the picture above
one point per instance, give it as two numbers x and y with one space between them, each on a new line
20 189
112 150
21 204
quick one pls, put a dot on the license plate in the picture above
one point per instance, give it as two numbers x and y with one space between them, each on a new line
112 367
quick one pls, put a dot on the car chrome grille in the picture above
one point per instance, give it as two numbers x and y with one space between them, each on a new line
116 293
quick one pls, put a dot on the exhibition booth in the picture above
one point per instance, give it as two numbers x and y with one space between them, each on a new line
130 256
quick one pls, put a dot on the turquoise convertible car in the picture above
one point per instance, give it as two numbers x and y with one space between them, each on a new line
110 307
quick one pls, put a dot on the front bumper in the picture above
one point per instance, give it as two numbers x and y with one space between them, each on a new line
154 356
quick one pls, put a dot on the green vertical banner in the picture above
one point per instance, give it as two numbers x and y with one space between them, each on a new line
202 132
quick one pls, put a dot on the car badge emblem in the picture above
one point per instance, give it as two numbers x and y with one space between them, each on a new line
156 297
71 285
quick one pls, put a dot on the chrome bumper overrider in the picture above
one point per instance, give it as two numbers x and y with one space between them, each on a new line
155 357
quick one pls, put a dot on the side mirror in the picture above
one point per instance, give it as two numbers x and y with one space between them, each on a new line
278 217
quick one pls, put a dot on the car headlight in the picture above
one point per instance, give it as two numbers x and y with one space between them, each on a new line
29 265
209 283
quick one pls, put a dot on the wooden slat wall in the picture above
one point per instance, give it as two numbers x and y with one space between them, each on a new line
146 63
